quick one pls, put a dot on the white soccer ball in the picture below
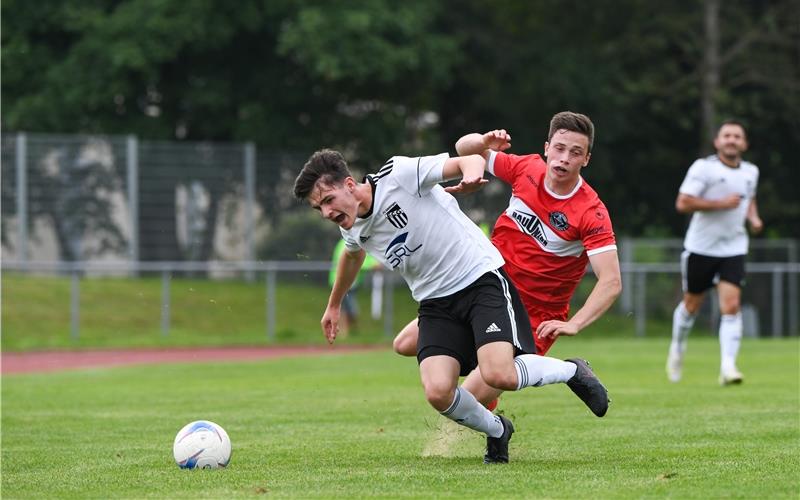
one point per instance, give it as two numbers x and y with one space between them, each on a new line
202 445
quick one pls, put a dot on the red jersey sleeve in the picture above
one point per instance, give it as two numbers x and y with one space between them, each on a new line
597 234
506 166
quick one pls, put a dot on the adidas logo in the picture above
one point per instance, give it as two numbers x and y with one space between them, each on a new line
493 328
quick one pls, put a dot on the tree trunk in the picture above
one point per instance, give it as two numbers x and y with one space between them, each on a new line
711 75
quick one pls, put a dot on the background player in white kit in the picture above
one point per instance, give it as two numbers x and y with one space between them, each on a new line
469 314
720 193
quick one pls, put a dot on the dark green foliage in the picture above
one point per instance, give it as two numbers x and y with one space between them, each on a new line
385 77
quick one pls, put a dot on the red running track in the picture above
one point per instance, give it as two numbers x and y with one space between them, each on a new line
49 361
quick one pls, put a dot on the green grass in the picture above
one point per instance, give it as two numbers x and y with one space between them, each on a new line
119 312
357 425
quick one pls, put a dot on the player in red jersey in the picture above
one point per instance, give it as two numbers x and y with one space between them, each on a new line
554 225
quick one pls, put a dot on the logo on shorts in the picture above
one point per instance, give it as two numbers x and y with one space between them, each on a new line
559 221
493 328
396 216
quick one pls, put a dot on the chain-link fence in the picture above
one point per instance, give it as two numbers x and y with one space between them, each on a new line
75 198
118 198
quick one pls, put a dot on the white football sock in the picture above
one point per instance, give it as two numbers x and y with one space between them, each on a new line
467 411
682 323
534 370
730 337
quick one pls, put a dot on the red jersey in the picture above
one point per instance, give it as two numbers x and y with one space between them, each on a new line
546 238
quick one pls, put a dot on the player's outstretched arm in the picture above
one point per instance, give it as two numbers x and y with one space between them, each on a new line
480 144
346 272
608 287
687 204
469 168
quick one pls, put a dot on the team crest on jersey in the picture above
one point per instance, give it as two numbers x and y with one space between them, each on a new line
396 216
364 239
530 225
559 221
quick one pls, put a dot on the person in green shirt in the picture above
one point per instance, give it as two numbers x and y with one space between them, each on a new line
349 303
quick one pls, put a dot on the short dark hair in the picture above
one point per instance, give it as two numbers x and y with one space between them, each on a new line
326 165
574 122
732 121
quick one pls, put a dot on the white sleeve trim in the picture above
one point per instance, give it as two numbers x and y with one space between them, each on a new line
596 251
490 163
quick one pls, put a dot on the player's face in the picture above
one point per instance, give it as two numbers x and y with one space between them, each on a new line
336 203
731 141
567 153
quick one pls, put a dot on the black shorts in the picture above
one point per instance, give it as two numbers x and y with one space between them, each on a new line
488 310
701 272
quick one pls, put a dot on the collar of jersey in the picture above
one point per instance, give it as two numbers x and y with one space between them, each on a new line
738 165
372 184
564 196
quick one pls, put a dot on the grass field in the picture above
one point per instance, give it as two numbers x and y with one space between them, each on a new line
357 425
118 312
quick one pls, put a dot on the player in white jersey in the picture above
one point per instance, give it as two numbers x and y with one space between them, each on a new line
470 315
720 193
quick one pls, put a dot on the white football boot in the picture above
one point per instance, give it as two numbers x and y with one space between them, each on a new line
731 376
674 367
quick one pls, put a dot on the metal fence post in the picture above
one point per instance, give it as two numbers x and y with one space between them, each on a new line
626 257
388 309
165 302
249 206
777 302
713 316
75 305
132 167
270 305
793 298
641 303
22 195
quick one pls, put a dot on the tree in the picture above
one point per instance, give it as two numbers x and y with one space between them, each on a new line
382 77
280 73
637 69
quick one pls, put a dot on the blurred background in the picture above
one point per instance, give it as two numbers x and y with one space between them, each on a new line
149 149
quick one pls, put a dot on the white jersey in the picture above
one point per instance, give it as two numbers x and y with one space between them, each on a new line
416 228
719 233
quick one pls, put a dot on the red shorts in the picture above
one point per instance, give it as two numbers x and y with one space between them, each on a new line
537 316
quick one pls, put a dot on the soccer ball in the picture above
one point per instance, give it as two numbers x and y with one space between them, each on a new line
202 445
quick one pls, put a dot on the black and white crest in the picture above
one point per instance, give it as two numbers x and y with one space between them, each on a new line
559 221
396 216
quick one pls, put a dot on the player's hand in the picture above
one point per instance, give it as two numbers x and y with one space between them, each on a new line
467 185
552 328
497 140
756 225
330 324
730 201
